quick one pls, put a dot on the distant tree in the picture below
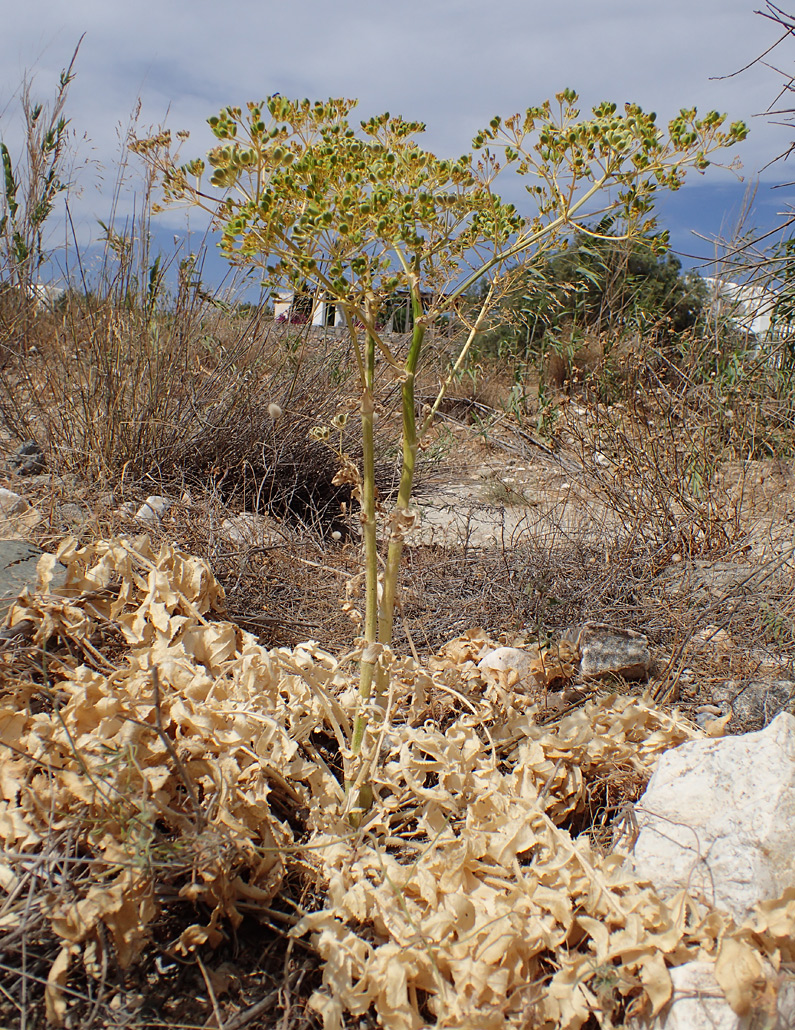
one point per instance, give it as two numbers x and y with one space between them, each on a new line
601 281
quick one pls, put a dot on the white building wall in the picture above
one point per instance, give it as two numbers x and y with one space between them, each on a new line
283 301
750 307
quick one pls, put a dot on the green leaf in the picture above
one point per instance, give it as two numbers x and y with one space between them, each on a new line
9 181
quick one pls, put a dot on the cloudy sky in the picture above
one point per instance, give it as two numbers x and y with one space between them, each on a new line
451 63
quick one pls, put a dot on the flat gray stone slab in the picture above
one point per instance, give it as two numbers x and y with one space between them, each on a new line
716 579
18 561
755 703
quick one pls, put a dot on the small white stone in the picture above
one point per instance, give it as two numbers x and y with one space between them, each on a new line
153 509
698 1003
504 659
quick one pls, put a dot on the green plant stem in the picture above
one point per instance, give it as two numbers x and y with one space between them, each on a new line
411 440
395 551
410 444
369 659
530 239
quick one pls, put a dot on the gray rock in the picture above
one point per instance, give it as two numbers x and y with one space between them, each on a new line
71 515
609 651
754 703
28 459
18 561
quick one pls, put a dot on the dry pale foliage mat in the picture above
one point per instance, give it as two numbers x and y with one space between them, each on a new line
462 901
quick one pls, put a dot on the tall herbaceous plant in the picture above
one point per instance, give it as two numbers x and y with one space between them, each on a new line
356 215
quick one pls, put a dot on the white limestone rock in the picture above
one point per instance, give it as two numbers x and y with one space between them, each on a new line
718 819
17 516
698 1003
503 659
12 503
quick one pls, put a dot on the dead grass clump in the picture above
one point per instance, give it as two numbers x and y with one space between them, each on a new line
116 387
281 583
653 437
263 457
656 472
529 587
196 397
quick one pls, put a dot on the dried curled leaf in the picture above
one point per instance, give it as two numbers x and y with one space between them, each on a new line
464 887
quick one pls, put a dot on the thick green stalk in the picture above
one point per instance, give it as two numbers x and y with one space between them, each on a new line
369 658
391 575
410 444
